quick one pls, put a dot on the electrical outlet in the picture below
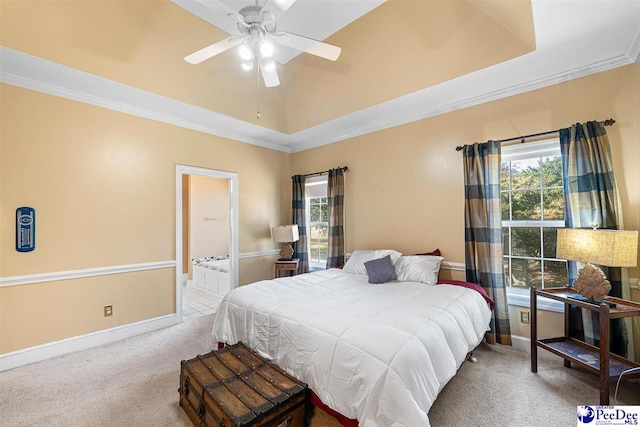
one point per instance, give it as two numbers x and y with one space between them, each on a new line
524 317
108 310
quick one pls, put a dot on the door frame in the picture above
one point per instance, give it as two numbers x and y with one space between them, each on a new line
232 177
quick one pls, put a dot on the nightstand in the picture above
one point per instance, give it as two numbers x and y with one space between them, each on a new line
290 266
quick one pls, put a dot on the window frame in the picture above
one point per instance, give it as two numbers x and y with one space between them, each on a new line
312 224
320 180
536 149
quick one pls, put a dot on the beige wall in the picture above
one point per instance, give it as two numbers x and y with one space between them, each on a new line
45 312
404 189
550 324
405 184
103 186
255 269
204 197
209 216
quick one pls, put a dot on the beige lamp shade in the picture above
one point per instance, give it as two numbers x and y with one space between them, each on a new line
611 248
285 234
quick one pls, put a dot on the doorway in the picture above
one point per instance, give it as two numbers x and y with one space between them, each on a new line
210 268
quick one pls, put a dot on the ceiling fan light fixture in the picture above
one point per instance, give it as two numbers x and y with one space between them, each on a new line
266 48
257 37
269 65
245 52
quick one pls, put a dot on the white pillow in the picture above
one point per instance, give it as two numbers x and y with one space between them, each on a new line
418 268
355 263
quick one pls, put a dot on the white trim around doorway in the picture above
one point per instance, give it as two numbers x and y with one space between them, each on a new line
233 224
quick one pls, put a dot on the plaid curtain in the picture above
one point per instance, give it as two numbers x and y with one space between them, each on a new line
591 197
483 232
335 199
299 216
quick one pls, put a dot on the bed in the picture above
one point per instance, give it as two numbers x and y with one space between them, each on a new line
212 274
379 353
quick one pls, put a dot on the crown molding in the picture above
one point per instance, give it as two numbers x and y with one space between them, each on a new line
634 47
23 70
31 72
380 123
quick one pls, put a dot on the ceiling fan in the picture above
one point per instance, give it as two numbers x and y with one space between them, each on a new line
257 34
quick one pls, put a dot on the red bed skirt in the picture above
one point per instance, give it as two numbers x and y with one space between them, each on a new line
346 422
315 400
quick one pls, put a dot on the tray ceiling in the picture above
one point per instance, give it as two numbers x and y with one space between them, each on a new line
402 60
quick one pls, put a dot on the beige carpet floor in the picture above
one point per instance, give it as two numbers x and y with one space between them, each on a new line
134 382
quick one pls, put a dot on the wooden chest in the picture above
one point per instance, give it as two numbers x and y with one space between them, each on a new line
234 386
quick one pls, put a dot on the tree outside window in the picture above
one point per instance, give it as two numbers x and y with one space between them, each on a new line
532 202
318 229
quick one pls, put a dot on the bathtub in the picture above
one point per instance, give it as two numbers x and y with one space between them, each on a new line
212 274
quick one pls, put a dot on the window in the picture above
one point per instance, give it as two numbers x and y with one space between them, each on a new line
318 230
532 211
318 221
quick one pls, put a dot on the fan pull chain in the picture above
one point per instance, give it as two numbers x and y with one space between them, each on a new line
258 108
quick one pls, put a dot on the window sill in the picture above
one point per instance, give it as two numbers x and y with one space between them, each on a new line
522 298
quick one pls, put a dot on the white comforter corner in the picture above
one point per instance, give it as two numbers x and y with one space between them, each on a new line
378 353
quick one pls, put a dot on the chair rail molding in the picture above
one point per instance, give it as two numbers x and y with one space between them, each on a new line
102 271
87 272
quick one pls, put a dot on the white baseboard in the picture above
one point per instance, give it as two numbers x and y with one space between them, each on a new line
524 344
82 342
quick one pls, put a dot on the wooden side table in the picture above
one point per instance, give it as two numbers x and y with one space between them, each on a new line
290 266
598 360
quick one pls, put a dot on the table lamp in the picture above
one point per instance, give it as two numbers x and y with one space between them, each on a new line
610 248
285 234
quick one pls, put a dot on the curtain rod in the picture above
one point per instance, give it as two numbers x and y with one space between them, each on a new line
608 122
344 169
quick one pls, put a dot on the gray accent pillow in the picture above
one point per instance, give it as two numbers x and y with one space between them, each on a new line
380 270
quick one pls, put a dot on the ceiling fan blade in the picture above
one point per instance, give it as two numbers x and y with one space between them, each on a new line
270 76
213 50
314 47
277 7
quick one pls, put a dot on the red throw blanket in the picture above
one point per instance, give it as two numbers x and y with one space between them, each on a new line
469 285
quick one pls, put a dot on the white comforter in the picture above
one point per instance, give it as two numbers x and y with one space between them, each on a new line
378 353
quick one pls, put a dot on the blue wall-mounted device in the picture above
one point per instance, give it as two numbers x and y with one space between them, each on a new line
25 229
